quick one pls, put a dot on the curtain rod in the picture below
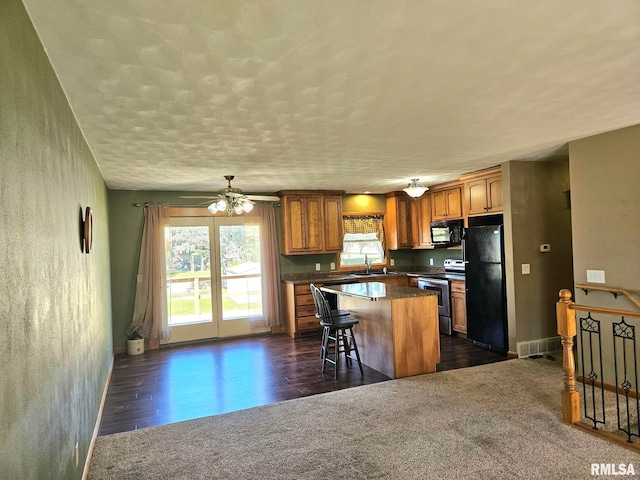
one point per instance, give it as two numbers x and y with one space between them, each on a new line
197 205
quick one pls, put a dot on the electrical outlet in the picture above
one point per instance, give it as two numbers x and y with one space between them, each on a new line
595 276
333 266
317 267
526 269
392 262
431 262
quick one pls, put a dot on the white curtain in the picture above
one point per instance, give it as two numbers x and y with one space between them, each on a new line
271 262
150 317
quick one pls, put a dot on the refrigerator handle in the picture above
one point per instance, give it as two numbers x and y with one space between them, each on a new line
464 246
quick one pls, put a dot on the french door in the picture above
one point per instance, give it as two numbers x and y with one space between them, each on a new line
214 278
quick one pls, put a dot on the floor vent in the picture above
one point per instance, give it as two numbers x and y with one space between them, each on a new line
539 347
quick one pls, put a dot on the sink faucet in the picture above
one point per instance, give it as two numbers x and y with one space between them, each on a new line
367 264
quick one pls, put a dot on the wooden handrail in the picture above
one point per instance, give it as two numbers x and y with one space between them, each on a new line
606 311
615 291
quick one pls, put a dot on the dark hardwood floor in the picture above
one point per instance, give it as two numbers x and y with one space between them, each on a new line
197 380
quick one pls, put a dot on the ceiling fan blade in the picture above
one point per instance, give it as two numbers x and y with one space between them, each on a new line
264 198
209 197
234 194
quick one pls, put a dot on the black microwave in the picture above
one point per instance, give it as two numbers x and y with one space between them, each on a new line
447 233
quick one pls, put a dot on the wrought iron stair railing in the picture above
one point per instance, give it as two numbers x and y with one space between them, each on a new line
606 381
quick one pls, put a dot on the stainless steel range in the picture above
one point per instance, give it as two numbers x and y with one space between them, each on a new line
439 283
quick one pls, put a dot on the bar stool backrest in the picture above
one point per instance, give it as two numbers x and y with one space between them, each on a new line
322 305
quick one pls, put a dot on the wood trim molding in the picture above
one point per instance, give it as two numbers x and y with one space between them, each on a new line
610 387
445 186
487 172
310 193
96 428
610 436
363 214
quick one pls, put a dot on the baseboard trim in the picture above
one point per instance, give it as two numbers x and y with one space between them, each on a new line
512 355
96 428
610 387
118 350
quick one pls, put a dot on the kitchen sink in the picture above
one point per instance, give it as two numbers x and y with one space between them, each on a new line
364 274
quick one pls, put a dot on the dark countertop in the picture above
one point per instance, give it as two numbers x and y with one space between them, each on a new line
334 277
320 277
376 291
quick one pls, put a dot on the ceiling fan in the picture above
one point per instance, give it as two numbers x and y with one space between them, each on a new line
232 200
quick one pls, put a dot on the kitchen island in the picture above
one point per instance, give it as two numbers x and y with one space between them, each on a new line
397 333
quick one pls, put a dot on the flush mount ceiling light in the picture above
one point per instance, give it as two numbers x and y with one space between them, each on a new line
415 189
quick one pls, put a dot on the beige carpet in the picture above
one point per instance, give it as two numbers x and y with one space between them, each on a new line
497 421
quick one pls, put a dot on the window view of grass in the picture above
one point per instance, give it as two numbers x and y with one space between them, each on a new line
189 274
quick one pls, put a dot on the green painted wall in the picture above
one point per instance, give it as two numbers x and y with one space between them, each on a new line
126 222
56 345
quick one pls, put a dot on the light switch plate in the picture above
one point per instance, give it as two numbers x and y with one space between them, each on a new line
526 268
595 276
392 262
318 267
333 266
431 261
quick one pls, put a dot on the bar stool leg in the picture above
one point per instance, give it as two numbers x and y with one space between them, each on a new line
336 352
355 347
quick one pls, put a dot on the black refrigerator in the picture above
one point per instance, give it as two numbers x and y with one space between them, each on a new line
485 286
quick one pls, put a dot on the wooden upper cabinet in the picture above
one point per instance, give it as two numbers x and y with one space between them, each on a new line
446 204
399 229
483 192
424 221
333 224
311 221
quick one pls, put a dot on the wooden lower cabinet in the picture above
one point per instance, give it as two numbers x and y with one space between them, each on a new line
458 306
401 280
300 311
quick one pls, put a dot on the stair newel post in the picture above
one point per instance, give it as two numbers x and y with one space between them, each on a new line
566 319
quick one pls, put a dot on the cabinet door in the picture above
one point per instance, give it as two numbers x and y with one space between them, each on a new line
313 224
458 307
438 205
333 224
476 197
294 229
454 203
398 220
494 194
424 221
404 223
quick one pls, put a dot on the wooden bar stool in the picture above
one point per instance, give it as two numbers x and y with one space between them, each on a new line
335 313
337 333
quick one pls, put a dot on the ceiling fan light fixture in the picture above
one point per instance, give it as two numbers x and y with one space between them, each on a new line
247 207
213 208
221 204
237 209
415 189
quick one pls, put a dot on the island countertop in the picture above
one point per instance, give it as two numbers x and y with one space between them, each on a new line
376 291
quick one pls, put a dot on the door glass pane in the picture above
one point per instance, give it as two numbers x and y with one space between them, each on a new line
189 275
240 271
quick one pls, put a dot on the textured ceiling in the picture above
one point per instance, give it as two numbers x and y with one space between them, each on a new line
351 94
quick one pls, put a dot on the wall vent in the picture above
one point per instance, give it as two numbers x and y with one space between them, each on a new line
539 347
